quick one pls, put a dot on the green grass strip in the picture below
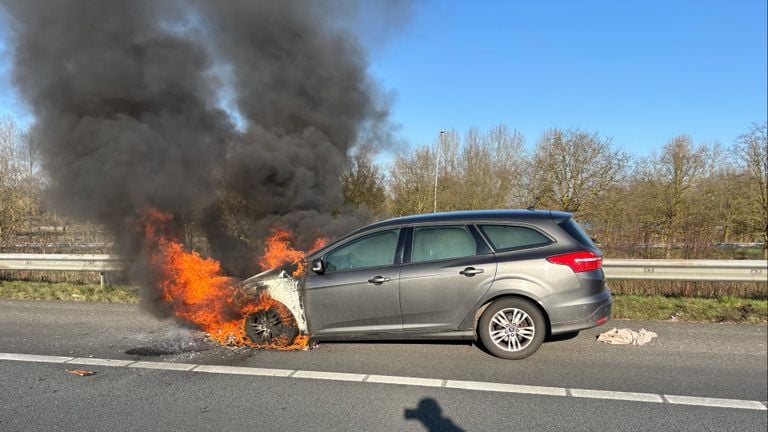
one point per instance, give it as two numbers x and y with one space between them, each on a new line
723 309
23 290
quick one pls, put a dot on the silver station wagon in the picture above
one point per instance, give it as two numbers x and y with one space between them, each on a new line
509 278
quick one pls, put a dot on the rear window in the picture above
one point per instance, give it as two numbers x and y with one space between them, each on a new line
508 237
439 243
571 227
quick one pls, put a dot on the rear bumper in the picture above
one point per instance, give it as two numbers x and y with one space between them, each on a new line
594 311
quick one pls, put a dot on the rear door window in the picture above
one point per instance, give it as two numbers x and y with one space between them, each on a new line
508 237
440 243
373 250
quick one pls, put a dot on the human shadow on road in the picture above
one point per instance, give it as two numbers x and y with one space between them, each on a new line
429 413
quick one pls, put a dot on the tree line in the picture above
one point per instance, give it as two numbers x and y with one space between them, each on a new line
685 200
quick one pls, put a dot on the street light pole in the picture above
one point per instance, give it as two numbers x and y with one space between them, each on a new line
437 167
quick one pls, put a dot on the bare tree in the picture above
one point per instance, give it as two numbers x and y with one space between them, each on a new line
669 181
12 198
482 171
752 153
362 183
491 166
572 168
411 186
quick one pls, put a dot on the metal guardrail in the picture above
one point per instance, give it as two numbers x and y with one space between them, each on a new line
639 269
64 262
687 270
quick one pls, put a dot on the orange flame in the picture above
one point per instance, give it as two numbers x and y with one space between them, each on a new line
200 293
278 250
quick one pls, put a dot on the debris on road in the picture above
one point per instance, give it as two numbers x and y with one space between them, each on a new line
81 372
626 337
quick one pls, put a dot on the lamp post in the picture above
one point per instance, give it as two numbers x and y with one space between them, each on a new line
437 167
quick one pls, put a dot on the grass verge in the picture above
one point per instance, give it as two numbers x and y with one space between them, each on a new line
23 290
640 307
723 309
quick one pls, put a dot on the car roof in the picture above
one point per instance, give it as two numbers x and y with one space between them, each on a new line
469 216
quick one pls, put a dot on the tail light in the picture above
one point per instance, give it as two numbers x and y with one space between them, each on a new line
578 261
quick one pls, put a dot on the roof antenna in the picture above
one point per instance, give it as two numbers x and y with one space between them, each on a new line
531 208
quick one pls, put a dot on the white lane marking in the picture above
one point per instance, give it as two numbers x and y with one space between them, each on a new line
335 376
237 370
714 402
506 388
99 362
34 358
410 381
615 395
162 366
422 382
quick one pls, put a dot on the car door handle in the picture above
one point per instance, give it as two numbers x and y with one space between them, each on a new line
471 271
378 280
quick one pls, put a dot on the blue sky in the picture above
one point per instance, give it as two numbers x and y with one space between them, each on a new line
639 72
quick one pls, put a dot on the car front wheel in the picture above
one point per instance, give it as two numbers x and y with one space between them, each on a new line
271 327
512 328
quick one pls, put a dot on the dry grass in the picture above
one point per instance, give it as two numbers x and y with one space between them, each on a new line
708 290
60 277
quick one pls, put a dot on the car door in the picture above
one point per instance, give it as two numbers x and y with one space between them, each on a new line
358 289
446 270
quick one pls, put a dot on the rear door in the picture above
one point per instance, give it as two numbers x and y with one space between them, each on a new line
358 292
447 269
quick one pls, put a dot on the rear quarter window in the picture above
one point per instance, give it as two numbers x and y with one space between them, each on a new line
574 230
508 237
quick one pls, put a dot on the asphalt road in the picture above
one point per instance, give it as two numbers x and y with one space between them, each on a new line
700 360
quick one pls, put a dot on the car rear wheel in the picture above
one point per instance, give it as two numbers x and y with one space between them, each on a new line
271 327
512 328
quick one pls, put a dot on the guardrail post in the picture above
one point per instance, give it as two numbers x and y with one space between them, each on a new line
103 279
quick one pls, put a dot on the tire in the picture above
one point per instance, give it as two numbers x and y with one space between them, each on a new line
269 327
512 328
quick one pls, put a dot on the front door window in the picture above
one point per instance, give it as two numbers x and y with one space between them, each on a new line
374 250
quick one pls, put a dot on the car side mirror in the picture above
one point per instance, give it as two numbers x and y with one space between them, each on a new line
317 266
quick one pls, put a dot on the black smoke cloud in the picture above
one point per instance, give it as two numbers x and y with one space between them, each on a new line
232 115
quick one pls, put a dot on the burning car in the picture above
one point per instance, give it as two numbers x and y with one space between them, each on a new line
509 278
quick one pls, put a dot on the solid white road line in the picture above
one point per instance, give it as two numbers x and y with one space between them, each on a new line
401 380
162 366
506 388
99 362
628 396
714 402
34 358
335 376
237 370
422 382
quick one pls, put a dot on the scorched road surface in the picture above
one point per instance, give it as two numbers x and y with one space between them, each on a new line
463 388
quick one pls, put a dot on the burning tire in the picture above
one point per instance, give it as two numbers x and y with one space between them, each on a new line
272 327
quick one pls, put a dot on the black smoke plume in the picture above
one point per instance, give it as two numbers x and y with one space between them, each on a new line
233 115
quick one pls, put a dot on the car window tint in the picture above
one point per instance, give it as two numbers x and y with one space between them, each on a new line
437 243
370 251
507 237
